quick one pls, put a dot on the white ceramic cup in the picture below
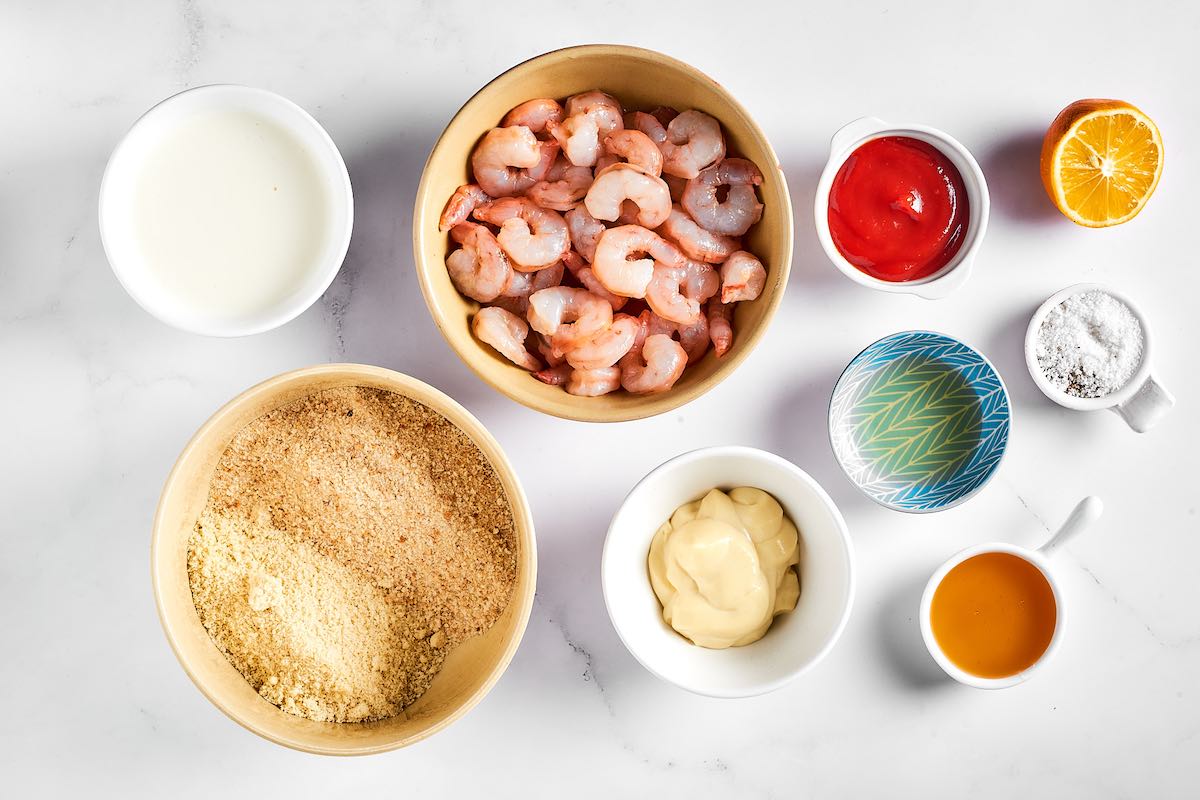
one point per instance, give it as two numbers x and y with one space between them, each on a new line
796 641
951 276
116 190
1141 402
1084 514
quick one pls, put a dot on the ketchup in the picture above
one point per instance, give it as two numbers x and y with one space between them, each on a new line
898 209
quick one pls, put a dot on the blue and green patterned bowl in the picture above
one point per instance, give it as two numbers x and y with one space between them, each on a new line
919 421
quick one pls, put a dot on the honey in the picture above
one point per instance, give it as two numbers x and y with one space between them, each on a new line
994 614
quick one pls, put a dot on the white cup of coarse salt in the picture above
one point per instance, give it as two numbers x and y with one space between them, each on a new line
226 210
1088 347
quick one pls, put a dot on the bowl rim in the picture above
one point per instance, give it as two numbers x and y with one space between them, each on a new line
341 193
655 404
960 500
792 470
458 416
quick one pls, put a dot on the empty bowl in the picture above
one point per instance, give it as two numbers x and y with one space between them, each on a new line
641 79
796 641
470 670
919 421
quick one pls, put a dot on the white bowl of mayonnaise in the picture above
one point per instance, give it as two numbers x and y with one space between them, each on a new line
226 210
795 641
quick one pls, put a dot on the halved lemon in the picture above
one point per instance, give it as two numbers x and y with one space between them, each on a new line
1101 160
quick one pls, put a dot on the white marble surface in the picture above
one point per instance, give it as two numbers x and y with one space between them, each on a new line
99 398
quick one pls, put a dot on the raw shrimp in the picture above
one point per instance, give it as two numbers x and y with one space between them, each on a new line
579 138
594 382
607 347
603 108
542 345
585 231
622 182
584 275
720 325
740 209
742 277
677 293
693 338
513 305
591 117
523 284
587 276
636 306
635 147
582 382
623 276
653 367
564 186
501 162
533 237
556 375
694 141
568 316
604 161
546 278
645 297
677 186
629 213
461 204
534 114
699 244
647 124
479 269
505 332
548 154
664 115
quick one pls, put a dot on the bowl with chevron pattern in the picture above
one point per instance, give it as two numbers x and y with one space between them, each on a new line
919 421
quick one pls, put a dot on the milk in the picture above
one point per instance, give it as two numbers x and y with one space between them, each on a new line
229 213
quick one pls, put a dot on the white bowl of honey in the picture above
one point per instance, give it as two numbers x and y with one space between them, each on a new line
993 614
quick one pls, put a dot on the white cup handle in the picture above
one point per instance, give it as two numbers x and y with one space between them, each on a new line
853 131
1084 514
1147 405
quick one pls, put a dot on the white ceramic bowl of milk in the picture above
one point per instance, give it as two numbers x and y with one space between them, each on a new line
226 210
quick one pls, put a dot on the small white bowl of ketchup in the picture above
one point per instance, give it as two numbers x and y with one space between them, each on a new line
901 208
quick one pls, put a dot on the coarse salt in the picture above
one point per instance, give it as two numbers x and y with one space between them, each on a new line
1090 344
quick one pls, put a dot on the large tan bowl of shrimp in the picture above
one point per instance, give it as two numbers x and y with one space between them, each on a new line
632 316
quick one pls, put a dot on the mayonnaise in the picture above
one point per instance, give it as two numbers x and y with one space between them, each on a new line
724 566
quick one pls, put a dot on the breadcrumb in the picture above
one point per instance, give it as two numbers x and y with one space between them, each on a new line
350 540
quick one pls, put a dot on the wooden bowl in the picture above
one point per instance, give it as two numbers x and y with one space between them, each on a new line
470 670
641 79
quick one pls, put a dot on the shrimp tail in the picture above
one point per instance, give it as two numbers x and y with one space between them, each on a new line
555 376
461 204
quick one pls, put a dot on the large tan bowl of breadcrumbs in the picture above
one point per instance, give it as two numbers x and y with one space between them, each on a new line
470 668
641 79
